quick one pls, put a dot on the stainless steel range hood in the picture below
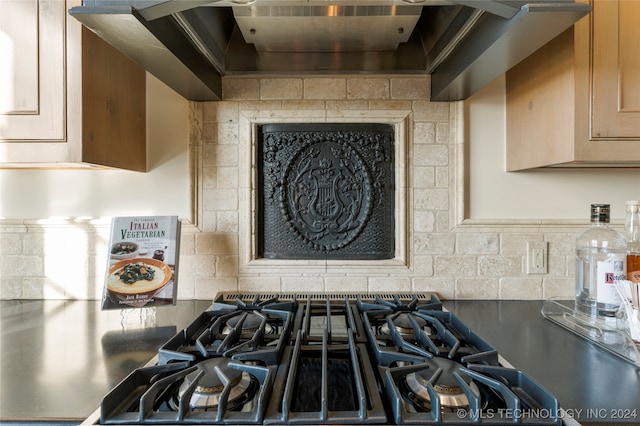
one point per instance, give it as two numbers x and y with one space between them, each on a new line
463 44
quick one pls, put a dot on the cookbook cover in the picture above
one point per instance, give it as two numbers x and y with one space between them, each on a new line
142 265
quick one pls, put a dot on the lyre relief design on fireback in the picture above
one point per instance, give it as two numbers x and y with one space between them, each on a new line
327 194
327 191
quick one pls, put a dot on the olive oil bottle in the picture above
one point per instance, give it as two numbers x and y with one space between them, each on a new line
632 233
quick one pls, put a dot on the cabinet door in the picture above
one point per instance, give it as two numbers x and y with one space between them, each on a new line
616 71
67 98
33 79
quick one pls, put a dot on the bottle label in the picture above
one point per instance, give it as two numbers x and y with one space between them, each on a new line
633 267
610 271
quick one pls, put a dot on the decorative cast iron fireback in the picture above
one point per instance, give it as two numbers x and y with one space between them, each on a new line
327 191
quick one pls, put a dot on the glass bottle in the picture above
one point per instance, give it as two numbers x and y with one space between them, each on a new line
600 261
632 233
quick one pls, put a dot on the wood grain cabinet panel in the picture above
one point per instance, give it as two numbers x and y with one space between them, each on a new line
576 101
33 102
616 71
67 98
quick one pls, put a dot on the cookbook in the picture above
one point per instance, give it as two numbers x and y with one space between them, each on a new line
142 262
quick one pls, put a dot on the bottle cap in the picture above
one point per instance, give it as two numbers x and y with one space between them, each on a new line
633 203
600 213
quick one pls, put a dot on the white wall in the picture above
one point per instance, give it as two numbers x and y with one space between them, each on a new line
164 189
538 194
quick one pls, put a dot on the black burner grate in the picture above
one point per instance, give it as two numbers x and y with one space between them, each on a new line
315 358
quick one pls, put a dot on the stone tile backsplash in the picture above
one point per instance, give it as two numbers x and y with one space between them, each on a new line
438 249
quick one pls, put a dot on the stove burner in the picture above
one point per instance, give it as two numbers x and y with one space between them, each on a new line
440 375
209 387
324 361
403 324
251 324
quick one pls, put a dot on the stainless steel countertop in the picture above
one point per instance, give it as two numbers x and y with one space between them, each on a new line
591 384
59 358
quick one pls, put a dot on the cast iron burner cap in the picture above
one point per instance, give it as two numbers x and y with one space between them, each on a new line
250 325
449 392
403 325
208 389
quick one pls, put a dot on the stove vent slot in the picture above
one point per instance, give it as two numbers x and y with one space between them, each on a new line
248 297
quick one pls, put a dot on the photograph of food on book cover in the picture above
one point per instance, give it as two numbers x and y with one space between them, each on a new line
142 264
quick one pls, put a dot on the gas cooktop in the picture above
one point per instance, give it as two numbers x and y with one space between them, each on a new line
328 359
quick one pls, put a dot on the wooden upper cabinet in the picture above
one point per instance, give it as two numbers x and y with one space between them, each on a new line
67 98
113 107
616 71
576 101
32 100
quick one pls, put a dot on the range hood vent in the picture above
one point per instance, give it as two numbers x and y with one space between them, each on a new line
326 28
463 44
